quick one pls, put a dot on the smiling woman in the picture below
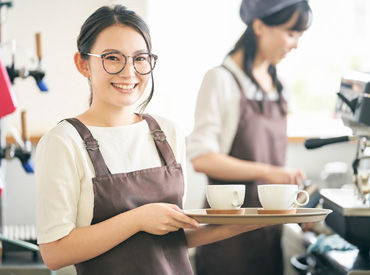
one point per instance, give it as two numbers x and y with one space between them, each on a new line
113 59
112 73
110 182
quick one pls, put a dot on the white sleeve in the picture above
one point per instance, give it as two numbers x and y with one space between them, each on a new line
205 137
57 188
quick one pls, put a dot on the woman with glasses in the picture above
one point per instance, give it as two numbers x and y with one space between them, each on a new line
110 181
240 130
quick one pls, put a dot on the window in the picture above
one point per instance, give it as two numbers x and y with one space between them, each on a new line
190 37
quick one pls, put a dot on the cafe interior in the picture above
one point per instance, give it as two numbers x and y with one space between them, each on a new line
328 121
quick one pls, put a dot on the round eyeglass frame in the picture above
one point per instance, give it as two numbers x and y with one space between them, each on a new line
154 56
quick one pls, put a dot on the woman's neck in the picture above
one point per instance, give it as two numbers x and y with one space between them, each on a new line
98 116
259 69
260 65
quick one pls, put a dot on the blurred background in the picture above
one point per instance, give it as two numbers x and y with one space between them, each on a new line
190 37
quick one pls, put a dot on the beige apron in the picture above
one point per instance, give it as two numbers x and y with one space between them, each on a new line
260 137
142 253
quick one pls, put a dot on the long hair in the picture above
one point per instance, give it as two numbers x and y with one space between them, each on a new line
108 16
248 42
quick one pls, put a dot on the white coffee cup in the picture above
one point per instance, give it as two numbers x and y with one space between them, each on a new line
230 196
280 196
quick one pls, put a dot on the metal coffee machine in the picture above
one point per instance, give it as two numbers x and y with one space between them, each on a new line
351 206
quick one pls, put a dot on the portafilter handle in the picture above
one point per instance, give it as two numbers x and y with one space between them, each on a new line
352 104
313 143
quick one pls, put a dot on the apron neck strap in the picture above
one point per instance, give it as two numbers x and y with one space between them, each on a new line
236 80
92 147
253 103
164 150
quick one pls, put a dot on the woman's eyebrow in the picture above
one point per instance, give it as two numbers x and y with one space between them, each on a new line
111 50
117 51
141 51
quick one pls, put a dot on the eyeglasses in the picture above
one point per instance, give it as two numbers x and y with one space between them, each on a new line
115 62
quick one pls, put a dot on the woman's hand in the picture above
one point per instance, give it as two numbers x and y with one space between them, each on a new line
283 175
162 218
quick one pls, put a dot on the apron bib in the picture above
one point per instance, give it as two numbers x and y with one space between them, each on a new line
142 253
260 137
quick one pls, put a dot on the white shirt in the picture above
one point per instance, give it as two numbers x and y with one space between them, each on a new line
218 107
64 171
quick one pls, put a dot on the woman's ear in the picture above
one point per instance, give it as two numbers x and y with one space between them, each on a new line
81 65
258 27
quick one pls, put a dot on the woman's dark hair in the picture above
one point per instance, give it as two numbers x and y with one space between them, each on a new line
248 42
108 16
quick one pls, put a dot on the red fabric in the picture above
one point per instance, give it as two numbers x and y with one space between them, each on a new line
7 100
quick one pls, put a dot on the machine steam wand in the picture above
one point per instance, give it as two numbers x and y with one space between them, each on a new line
23 148
38 74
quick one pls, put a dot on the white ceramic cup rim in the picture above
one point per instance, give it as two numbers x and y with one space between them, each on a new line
288 186
238 196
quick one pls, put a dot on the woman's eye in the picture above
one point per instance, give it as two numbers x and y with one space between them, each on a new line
294 34
140 58
112 58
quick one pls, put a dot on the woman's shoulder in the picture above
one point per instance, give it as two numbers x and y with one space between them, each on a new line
217 73
63 132
171 129
165 123
217 82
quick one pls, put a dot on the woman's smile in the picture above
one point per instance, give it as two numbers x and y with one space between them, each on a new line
126 88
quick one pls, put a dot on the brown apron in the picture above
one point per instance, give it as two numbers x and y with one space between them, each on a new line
260 137
142 253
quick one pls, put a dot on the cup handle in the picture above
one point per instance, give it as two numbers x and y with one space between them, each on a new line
306 195
237 201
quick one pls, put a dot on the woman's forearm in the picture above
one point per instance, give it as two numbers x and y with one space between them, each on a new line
85 243
213 233
224 167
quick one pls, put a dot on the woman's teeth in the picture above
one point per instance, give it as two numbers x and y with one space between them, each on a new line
123 86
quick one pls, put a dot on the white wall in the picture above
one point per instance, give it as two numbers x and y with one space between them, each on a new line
59 23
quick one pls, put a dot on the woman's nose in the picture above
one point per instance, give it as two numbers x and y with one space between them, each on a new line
295 42
129 69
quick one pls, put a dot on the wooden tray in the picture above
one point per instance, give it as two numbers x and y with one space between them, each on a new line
251 216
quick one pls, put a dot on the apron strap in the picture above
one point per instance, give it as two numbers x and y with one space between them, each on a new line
164 149
92 147
236 80
254 103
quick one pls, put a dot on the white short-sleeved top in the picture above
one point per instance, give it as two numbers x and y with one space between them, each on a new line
218 107
64 171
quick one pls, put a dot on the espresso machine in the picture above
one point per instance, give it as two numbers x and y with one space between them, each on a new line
351 205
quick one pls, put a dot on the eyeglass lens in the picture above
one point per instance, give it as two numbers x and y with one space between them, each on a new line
115 62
